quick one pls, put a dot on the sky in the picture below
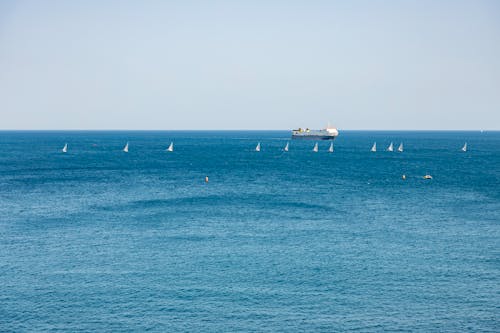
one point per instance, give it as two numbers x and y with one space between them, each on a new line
176 65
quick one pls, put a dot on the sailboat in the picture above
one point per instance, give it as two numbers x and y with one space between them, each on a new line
391 147
125 149
400 148
374 147
330 150
315 149
464 148
171 147
286 147
258 147
65 148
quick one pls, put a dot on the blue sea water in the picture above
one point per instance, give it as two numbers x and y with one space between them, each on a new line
97 240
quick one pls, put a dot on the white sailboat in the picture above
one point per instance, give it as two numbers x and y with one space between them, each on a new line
374 147
391 147
464 148
125 149
65 148
286 147
171 147
315 149
400 148
258 147
330 150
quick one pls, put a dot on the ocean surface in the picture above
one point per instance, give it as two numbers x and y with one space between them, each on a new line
97 240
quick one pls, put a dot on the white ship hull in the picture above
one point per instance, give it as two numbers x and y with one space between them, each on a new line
307 134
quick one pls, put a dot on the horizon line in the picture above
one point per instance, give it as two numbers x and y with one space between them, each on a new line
239 130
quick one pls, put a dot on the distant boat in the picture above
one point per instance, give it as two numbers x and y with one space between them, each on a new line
464 148
258 147
400 148
171 147
391 147
329 133
315 149
65 148
286 147
374 147
427 176
330 150
125 149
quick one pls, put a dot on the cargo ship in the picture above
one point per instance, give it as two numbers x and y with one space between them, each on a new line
329 133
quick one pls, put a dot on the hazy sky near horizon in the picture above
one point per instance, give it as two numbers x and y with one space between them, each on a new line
249 64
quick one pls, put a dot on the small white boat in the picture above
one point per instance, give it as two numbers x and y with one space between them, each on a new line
330 150
391 147
400 148
374 147
65 148
464 148
258 147
286 147
427 177
125 149
315 149
171 147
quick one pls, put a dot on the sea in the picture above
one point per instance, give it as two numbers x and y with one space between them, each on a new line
98 240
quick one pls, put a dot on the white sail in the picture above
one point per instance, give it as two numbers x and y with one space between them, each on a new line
391 147
171 147
65 148
286 147
315 149
374 147
400 148
258 147
125 149
464 148
330 150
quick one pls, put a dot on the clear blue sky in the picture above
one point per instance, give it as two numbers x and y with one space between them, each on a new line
249 64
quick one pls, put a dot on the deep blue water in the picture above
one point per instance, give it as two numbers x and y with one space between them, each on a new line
99 240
